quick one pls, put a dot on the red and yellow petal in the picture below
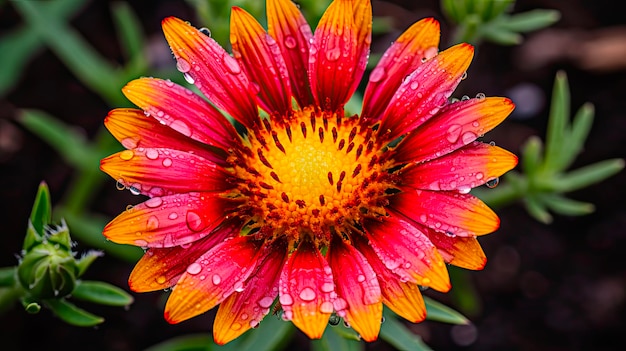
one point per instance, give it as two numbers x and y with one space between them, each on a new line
425 91
288 26
407 252
169 220
244 310
446 212
306 288
134 130
217 74
464 252
261 56
466 168
165 171
359 299
338 53
404 298
182 110
212 278
457 124
160 268
401 58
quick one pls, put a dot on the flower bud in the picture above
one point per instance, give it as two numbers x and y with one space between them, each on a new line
48 270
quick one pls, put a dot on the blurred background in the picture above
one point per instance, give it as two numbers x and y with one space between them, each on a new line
547 286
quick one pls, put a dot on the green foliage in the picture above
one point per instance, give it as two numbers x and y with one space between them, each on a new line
545 176
479 20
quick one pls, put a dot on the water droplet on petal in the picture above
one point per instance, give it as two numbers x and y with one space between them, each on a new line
360 278
167 162
152 223
238 286
266 302
328 287
464 189
216 279
231 64
161 279
181 127
377 74
152 154
431 52
182 65
194 221
206 31
493 182
333 54
480 96
414 85
285 300
154 202
254 323
423 218
464 75
340 304
127 155
307 294
129 143
326 307
119 185
468 137
188 78
454 132
194 268
290 42
334 320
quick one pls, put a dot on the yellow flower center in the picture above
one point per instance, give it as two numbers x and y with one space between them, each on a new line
312 174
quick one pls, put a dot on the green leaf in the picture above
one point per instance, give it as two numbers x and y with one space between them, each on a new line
587 175
399 336
579 131
501 36
334 338
199 342
270 335
436 311
101 293
558 124
41 214
71 314
66 140
7 276
531 162
530 20
537 209
85 261
567 207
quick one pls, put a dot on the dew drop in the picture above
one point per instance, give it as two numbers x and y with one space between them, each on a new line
154 202
188 78
360 278
206 31
468 137
328 287
266 302
431 52
334 320
130 143
119 185
127 155
235 326
167 162
480 96
173 216
414 85
290 42
181 127
238 286
307 294
254 323
454 132
141 243
464 98
464 76
134 190
377 74
194 268
326 307
333 54
340 304
479 175
285 300
152 223
182 65
493 182
231 64
216 279
464 189
194 221
152 154
423 218
161 279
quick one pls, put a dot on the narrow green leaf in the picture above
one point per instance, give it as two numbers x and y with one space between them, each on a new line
530 20
334 338
101 293
86 260
71 314
579 131
64 139
41 213
500 36
558 124
199 342
129 30
567 207
587 175
537 209
399 336
7 276
531 156
451 11
436 311
501 6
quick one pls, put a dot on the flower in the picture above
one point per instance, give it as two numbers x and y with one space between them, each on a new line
324 212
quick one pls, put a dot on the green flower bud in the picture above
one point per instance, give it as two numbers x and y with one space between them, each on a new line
48 270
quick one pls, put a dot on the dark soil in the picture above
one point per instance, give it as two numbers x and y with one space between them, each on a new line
546 287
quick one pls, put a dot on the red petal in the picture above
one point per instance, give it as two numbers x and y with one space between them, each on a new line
339 52
293 34
217 74
135 130
160 268
244 310
169 220
165 171
358 292
461 170
408 252
404 298
446 212
464 252
425 91
261 56
306 288
212 278
402 58
456 125
182 110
